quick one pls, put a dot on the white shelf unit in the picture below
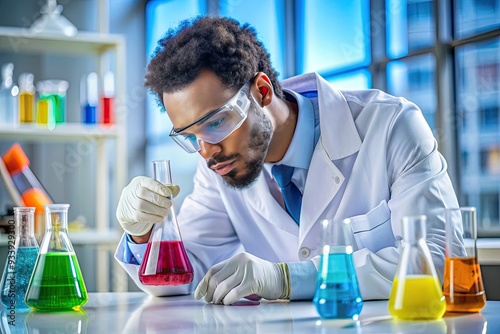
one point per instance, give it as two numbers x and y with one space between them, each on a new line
22 41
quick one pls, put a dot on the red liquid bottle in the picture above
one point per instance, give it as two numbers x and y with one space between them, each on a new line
165 261
107 100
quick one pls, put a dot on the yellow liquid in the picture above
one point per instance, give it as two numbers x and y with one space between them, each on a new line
418 297
26 107
42 112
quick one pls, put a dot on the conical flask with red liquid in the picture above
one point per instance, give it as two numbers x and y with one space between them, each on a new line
165 261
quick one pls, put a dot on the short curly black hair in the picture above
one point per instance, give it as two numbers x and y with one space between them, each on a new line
232 51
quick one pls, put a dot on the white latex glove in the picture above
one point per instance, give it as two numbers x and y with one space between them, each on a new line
240 276
143 202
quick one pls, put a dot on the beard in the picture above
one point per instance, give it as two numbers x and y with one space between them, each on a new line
258 145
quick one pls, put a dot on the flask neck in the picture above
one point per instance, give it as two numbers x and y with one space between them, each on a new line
414 229
25 222
56 218
56 235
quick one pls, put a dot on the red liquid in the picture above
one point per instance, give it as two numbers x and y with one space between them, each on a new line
172 268
107 110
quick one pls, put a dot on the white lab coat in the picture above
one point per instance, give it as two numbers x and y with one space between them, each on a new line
396 170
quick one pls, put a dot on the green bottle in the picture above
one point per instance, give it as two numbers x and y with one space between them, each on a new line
57 282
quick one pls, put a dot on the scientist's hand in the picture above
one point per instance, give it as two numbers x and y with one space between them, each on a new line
143 202
240 276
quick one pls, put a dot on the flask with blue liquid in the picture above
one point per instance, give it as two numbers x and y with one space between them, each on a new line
22 251
337 292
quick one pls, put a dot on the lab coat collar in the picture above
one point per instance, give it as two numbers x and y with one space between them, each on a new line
339 138
301 147
339 135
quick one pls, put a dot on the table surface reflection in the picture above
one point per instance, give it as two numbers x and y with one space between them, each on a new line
136 312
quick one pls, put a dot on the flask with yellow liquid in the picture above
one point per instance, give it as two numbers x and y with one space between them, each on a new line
416 291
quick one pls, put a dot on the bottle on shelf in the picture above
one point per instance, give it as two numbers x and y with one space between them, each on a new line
26 98
8 96
55 92
20 259
89 97
57 282
45 107
107 100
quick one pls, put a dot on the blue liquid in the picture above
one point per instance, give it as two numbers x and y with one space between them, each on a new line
337 292
89 114
16 277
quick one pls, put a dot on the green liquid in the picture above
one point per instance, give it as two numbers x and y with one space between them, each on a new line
57 283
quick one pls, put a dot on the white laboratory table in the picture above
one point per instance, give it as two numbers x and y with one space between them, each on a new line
136 312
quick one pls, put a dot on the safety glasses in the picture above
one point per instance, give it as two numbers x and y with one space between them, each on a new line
215 126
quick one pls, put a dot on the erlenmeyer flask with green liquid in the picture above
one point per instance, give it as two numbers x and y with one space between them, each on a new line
57 282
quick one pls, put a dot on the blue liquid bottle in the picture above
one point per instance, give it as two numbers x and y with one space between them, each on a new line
337 293
21 258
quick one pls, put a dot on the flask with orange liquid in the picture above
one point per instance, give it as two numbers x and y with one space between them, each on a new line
416 291
463 285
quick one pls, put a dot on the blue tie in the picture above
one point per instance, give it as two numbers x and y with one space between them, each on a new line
291 194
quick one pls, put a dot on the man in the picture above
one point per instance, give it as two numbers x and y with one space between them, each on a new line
363 155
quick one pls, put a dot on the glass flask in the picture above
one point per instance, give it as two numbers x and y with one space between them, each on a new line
416 291
463 286
165 260
337 292
57 282
22 251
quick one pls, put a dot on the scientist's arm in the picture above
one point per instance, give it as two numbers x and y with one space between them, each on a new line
419 184
143 202
206 231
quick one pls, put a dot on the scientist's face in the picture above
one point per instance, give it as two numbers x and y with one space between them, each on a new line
239 157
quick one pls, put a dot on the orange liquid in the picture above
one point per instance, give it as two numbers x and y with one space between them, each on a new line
463 286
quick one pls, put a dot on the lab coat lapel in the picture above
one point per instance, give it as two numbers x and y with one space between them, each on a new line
339 138
323 182
260 199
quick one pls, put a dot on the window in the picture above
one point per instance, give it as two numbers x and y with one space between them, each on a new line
489 117
488 212
161 16
268 23
414 78
478 82
476 16
410 26
324 44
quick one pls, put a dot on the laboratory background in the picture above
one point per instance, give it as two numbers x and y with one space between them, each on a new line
443 55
